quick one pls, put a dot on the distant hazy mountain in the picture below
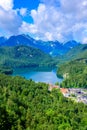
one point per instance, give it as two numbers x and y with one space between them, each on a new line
2 40
19 40
53 48
71 44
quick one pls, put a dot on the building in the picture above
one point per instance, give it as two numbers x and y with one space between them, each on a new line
64 91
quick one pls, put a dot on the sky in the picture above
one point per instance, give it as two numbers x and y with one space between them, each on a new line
60 20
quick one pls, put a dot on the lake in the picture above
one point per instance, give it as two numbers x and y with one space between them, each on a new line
39 75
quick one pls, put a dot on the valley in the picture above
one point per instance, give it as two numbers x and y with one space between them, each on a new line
42 84
22 51
43 65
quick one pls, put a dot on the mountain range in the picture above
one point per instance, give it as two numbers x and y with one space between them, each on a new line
54 48
24 51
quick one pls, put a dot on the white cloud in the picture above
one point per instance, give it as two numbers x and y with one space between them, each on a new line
6 4
51 2
9 19
52 20
48 35
59 20
45 21
27 28
85 40
23 11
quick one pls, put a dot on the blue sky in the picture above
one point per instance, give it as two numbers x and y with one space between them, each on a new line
30 4
60 20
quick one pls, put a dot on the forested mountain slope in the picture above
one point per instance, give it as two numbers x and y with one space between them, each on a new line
26 105
79 52
74 73
24 56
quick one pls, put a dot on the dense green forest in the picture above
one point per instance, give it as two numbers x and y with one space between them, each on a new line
74 73
26 105
73 67
24 56
79 52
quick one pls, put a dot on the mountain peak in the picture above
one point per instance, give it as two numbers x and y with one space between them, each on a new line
53 48
71 44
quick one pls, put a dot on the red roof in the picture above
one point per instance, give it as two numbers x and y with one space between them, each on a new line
64 90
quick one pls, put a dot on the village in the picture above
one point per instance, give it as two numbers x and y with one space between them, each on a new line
75 94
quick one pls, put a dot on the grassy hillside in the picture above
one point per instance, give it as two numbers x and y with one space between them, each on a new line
24 56
26 105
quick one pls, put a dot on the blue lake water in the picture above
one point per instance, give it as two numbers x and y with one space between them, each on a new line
48 76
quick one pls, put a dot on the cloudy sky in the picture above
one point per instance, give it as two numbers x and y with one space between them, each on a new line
45 19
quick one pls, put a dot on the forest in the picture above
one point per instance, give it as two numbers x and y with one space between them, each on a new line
26 105
74 74
24 56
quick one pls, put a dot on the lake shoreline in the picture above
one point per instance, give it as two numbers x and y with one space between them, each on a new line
46 75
